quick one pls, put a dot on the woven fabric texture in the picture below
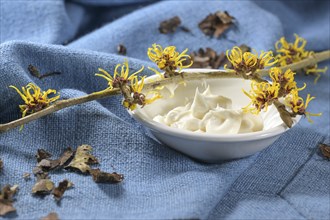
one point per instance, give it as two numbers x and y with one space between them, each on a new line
288 180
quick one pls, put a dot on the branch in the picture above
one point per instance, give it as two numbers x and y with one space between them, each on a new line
317 57
188 76
61 104
313 59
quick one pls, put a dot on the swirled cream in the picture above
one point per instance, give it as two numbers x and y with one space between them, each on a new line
211 114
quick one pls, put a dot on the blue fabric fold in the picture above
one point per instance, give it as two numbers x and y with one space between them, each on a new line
288 180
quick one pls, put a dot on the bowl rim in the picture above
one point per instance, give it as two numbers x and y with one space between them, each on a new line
250 136
258 135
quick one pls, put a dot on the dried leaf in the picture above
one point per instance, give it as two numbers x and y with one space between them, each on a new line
47 164
51 216
39 172
82 159
6 208
284 114
66 156
60 190
35 72
6 199
209 59
170 25
216 24
121 49
14 189
1 164
27 176
103 177
43 186
42 154
325 150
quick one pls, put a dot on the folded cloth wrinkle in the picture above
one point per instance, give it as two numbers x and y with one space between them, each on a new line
39 21
142 24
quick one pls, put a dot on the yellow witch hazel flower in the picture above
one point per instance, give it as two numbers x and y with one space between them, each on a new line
168 59
129 86
262 94
298 106
286 80
289 53
138 97
248 63
314 70
157 72
34 98
118 78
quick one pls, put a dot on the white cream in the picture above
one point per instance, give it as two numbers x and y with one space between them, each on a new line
211 114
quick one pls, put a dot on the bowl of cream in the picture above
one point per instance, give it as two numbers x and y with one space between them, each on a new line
204 119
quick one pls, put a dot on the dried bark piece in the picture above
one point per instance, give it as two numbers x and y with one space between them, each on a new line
6 199
170 25
121 49
43 186
216 24
82 159
1 164
42 154
61 188
325 150
51 216
104 177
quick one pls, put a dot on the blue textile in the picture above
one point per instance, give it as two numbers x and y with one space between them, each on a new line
288 180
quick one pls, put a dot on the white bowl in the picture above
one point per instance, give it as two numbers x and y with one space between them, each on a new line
207 147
